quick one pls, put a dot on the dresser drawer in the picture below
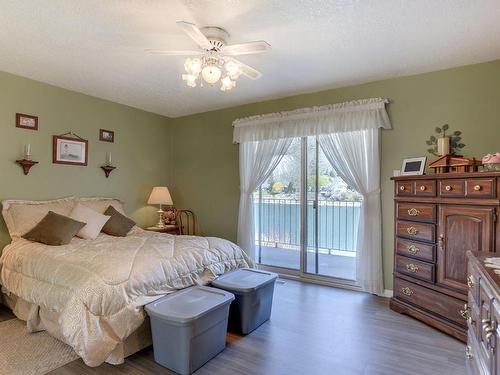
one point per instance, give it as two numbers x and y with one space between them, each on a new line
452 188
417 231
415 268
481 188
418 250
441 304
425 188
405 188
416 212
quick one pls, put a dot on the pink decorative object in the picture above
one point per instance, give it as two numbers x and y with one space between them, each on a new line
169 216
492 158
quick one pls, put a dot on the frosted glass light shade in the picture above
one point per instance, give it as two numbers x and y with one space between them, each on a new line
211 74
160 195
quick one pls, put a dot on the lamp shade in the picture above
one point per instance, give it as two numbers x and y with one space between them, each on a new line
160 195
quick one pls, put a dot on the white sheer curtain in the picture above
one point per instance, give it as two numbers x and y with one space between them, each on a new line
356 158
349 136
257 161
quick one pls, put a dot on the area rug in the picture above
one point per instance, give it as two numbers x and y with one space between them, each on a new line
23 353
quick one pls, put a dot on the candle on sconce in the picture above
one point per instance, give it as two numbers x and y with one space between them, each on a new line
108 158
27 152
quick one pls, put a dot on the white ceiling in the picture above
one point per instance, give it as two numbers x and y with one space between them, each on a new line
97 46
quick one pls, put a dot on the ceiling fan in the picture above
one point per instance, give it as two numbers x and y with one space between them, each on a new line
213 60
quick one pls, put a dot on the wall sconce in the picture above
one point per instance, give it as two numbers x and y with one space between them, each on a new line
26 163
108 168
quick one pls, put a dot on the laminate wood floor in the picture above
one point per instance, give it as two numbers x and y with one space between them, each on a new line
319 330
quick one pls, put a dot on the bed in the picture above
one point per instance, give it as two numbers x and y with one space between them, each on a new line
90 293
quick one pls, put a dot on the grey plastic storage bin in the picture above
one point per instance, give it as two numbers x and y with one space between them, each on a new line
189 327
253 290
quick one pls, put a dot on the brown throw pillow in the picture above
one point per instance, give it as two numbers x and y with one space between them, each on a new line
118 225
54 230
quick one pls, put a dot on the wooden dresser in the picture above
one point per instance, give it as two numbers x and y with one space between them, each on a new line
438 218
483 318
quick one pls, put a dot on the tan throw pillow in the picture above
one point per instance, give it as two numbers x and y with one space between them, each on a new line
94 220
54 230
118 225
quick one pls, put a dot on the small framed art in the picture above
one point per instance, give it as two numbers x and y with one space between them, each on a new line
66 150
106 135
26 121
413 166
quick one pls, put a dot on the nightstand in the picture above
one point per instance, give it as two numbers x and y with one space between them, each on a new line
170 229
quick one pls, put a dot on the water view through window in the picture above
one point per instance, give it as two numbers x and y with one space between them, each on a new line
331 209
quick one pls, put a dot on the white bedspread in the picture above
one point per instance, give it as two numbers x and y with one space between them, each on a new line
98 287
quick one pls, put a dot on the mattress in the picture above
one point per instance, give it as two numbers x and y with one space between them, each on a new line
96 289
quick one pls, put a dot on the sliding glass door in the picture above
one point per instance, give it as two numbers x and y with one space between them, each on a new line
306 217
277 208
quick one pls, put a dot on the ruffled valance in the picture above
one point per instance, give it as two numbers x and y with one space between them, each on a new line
327 119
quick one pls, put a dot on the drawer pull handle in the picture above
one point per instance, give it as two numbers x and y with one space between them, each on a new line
470 281
422 188
489 330
411 268
407 291
477 188
448 188
413 212
465 313
402 188
468 352
412 231
412 249
441 241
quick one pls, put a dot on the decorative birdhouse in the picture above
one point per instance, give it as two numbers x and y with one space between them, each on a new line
455 164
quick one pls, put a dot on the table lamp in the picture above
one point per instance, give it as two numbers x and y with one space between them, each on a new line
160 195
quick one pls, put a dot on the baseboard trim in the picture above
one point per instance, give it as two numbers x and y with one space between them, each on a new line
389 293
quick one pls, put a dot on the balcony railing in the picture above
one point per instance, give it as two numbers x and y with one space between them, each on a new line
277 224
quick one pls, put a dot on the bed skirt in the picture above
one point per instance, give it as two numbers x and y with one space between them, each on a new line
40 319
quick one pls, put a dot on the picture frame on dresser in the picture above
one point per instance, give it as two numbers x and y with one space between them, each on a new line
413 166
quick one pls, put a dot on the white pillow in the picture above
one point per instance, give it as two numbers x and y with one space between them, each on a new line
101 204
22 215
94 220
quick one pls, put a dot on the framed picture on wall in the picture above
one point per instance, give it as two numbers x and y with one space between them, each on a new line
413 166
66 150
26 121
106 135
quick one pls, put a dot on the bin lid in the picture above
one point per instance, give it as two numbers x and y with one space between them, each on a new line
188 304
244 280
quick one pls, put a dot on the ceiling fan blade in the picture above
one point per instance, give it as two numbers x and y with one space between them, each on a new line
173 53
246 48
194 33
247 70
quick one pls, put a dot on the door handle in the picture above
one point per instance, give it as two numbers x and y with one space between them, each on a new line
441 241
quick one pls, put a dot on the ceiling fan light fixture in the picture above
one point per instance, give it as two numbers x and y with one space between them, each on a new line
214 57
233 69
227 84
211 74
190 79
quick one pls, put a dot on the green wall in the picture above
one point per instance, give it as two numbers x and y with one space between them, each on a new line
468 98
206 177
142 149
